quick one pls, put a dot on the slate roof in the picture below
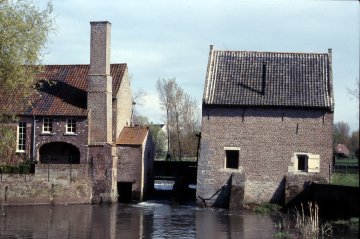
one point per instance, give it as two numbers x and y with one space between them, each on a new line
132 136
250 78
66 95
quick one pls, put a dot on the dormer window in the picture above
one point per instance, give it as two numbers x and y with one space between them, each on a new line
71 126
47 125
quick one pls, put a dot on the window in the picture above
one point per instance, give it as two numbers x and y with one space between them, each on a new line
47 125
21 137
305 162
302 162
232 158
71 126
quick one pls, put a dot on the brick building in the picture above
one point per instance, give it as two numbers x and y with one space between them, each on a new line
136 153
266 116
77 114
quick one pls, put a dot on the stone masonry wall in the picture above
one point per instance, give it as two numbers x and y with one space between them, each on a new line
267 139
104 172
50 184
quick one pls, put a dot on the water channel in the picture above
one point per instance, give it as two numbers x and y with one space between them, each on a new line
144 220
152 219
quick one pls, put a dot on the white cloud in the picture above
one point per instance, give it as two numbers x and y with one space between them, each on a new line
151 108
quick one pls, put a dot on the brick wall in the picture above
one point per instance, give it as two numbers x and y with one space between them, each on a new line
79 140
99 102
267 140
122 107
58 134
99 99
104 173
130 167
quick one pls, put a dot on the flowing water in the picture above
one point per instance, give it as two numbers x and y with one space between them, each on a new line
156 219
144 220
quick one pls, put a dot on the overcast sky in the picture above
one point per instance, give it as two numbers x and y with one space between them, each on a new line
166 39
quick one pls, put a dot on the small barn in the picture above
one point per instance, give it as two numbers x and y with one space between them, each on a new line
266 116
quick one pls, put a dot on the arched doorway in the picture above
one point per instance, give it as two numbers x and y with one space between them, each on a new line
59 153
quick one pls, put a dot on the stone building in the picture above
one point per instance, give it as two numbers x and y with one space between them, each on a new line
77 114
266 116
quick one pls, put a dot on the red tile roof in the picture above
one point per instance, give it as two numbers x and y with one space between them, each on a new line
342 149
250 78
67 92
132 136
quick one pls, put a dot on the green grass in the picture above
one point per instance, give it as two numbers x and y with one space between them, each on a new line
352 162
345 179
267 208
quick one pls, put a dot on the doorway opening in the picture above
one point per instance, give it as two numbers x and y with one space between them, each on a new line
124 191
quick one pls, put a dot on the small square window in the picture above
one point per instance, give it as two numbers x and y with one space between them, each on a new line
302 162
232 159
47 125
71 126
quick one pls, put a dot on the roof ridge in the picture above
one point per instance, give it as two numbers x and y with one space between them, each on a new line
275 52
79 64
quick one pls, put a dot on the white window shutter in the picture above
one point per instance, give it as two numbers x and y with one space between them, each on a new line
314 163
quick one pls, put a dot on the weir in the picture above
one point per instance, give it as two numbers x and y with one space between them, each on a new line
174 180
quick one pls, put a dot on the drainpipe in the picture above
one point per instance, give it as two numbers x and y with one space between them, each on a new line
34 144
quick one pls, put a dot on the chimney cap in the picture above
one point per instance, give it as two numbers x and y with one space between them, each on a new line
100 22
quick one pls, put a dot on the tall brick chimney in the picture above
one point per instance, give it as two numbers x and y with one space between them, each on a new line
99 100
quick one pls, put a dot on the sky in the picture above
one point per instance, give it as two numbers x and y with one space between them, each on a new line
161 39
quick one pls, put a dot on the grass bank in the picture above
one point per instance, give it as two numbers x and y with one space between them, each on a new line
345 179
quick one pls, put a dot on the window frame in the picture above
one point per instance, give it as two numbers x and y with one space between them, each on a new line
70 126
21 138
226 160
311 163
47 126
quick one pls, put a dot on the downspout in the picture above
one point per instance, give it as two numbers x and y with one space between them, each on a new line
33 143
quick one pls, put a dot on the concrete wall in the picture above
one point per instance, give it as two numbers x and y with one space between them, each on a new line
50 184
267 139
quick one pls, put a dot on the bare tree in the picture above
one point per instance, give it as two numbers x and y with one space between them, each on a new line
137 99
165 88
341 133
181 116
355 92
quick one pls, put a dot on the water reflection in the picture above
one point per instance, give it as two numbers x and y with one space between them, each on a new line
144 220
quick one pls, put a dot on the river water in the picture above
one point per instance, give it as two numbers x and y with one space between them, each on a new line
152 219
144 220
